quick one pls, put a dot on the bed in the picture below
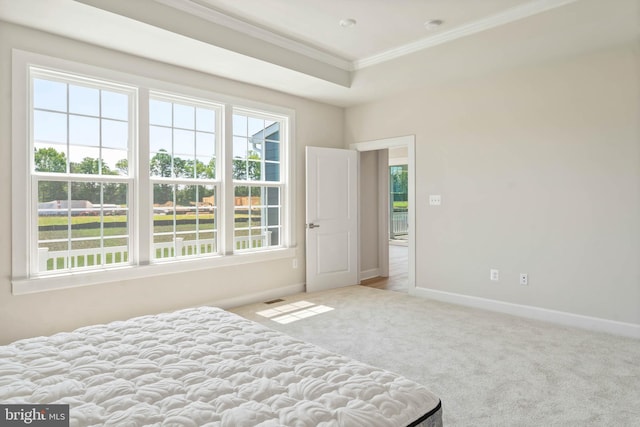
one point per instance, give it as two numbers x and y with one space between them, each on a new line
205 367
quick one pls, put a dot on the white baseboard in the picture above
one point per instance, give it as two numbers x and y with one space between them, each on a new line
369 274
560 317
258 296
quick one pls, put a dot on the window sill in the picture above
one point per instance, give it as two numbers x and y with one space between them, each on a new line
95 277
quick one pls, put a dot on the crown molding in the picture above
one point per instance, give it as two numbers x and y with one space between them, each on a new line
212 15
510 15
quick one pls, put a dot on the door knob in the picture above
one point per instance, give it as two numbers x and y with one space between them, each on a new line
312 225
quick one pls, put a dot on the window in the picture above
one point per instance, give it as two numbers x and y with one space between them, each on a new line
80 136
256 180
182 166
121 172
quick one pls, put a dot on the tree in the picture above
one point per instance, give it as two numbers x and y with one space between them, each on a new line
251 168
123 166
160 164
50 160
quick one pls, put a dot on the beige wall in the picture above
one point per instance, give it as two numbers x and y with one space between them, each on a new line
539 172
44 313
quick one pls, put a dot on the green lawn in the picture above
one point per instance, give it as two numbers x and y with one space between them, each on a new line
160 226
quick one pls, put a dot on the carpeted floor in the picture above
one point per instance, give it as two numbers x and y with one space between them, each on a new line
489 369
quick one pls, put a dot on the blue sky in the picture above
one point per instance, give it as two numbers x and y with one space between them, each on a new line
94 123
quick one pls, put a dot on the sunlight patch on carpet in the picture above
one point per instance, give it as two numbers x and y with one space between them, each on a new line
289 313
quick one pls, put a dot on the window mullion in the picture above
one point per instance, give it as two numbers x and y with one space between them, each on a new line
142 194
226 223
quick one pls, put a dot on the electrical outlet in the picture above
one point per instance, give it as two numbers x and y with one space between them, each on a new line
524 279
494 275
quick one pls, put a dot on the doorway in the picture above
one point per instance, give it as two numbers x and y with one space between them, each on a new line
386 253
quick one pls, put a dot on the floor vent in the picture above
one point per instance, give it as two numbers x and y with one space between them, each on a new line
273 301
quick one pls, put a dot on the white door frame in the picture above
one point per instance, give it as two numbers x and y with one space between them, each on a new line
408 141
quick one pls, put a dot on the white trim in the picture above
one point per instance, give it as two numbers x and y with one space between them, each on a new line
281 292
20 170
383 211
514 14
408 141
211 14
398 161
369 274
113 275
531 312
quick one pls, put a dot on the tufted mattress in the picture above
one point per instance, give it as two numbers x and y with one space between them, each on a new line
205 367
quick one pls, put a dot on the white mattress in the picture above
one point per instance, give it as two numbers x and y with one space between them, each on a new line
205 366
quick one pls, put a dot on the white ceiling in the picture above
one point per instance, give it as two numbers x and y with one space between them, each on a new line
298 46
382 25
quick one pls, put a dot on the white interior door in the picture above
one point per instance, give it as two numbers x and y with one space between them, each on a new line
332 218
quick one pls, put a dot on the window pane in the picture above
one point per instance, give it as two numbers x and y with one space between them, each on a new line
188 227
160 113
160 139
184 143
84 100
183 116
273 216
205 120
178 151
48 159
84 160
274 236
163 221
239 148
272 151
85 253
116 201
205 144
272 172
272 131
239 169
163 199
273 196
49 127
115 105
256 127
84 131
72 230
161 164
115 134
255 151
240 125
254 219
254 169
116 251
205 168
49 95
83 196
53 225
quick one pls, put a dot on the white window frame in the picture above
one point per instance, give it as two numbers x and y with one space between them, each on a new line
282 182
24 282
216 182
36 177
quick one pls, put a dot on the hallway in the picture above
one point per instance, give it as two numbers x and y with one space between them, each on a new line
398 271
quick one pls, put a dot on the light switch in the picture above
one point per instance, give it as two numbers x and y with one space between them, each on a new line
434 200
